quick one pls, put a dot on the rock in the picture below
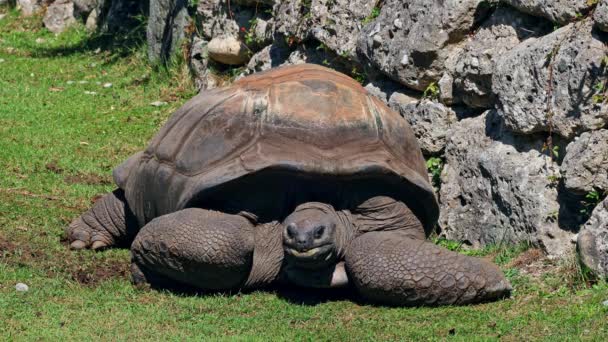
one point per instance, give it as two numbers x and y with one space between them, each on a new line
255 2
601 15
92 22
107 85
560 11
574 53
269 57
414 52
592 244
585 165
29 7
82 8
216 20
228 50
166 23
384 88
21 287
59 16
334 23
476 64
495 189
158 103
429 120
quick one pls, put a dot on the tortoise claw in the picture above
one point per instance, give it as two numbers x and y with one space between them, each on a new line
78 244
97 245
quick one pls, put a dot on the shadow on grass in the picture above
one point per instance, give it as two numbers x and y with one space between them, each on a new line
119 45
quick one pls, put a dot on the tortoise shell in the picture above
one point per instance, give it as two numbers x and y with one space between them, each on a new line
301 120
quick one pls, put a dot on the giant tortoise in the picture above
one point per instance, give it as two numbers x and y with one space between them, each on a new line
296 175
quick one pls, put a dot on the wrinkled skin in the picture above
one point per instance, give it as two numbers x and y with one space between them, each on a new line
378 247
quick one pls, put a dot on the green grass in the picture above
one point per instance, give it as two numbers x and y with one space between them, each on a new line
58 146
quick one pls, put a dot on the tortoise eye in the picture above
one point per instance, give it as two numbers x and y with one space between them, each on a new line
291 229
319 232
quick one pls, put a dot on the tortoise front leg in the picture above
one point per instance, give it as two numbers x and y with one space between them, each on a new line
391 268
205 249
108 223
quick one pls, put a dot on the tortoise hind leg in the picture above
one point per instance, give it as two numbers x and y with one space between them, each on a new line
390 268
108 223
198 248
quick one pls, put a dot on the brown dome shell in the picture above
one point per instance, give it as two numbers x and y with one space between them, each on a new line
304 119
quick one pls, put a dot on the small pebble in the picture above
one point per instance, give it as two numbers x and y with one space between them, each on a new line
90 92
158 103
605 303
107 85
83 82
70 82
21 287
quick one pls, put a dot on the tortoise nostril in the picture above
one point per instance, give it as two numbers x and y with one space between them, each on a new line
319 232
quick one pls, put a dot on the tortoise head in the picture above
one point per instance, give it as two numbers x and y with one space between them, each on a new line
310 236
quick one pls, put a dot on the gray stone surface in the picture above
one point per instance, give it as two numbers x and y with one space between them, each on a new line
585 165
476 64
430 121
560 11
592 243
574 54
59 16
29 7
166 23
495 188
334 23
412 43
82 8
228 50
600 16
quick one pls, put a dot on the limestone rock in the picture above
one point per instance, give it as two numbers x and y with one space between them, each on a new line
228 50
82 8
560 11
29 7
166 23
92 22
59 16
430 121
601 15
476 64
334 23
574 54
592 243
415 50
585 165
495 188
216 20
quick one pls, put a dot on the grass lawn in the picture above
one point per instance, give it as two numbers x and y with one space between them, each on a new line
71 111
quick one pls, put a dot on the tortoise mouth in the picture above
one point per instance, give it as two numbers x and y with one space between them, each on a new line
313 257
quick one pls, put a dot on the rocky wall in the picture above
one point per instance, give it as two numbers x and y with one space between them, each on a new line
510 95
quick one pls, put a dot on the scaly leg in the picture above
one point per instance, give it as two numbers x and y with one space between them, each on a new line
108 223
390 268
205 249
